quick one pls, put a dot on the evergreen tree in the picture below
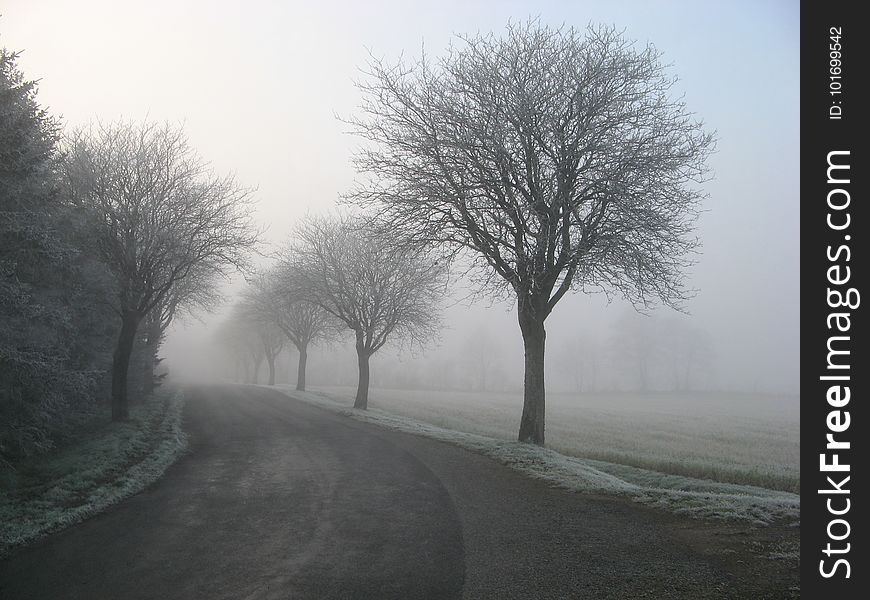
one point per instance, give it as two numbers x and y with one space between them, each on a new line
48 331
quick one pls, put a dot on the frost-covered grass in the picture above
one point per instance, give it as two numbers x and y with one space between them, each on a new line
53 491
731 438
682 494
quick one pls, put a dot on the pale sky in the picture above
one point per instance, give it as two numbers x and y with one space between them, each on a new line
258 85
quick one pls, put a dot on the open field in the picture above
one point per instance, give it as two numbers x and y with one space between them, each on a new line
725 437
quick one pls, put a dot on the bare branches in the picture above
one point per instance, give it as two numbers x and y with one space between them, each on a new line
273 301
164 224
378 286
557 160
368 276
162 215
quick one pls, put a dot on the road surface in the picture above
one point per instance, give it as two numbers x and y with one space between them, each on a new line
281 499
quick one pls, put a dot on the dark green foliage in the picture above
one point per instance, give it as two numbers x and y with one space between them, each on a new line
49 328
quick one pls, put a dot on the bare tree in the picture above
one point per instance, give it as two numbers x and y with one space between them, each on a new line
379 287
272 341
273 300
553 160
159 213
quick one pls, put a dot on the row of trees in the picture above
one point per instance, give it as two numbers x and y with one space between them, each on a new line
338 274
120 219
642 353
545 160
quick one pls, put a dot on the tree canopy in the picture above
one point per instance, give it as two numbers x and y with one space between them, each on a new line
554 159
365 277
159 216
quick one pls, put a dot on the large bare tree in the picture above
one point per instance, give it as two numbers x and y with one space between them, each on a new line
273 300
553 159
364 276
159 213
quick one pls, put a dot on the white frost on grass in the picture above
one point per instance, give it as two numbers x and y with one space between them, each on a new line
699 498
747 439
85 478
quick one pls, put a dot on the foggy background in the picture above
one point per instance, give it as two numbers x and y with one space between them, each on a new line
258 86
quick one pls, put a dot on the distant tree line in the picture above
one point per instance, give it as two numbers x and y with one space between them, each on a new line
107 233
636 353
338 275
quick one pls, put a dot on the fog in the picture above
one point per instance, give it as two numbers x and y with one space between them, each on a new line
260 85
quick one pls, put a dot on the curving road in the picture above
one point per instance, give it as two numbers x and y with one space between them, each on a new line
280 499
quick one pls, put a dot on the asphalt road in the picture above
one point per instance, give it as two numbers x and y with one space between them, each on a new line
280 499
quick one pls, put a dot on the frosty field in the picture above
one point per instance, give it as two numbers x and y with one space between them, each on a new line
725 437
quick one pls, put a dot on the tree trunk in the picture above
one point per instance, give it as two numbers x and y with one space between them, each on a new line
300 372
270 359
121 364
534 337
362 390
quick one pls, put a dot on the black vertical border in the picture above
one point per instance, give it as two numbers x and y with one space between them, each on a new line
819 136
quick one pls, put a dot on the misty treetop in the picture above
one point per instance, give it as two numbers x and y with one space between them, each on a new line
552 159
28 141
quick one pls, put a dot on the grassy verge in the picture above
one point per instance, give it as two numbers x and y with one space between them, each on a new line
700 498
50 492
